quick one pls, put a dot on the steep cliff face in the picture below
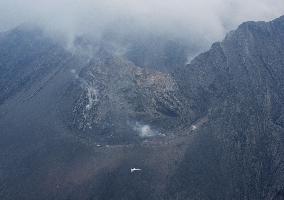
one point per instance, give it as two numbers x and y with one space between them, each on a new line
73 123
238 83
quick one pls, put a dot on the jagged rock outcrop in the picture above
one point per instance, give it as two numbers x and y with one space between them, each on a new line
238 83
92 93
73 123
114 96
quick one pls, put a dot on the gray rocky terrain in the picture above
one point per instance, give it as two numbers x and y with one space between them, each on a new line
74 122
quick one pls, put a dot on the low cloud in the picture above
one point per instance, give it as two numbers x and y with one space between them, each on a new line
201 22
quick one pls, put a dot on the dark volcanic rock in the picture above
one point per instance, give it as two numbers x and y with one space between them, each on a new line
239 85
113 96
99 96
73 123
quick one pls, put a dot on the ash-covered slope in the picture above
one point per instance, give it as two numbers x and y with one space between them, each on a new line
98 95
73 124
57 105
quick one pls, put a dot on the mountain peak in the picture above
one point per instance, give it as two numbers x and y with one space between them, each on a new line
72 126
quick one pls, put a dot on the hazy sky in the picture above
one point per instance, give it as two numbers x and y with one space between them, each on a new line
203 20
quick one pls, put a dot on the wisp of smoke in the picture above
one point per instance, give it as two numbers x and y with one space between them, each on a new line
145 130
202 21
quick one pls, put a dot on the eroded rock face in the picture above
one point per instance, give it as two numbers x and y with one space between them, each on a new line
90 91
73 124
115 95
239 85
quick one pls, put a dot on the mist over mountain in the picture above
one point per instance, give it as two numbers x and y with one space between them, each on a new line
120 107
195 24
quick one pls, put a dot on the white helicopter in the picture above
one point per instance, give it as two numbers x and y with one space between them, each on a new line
134 170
